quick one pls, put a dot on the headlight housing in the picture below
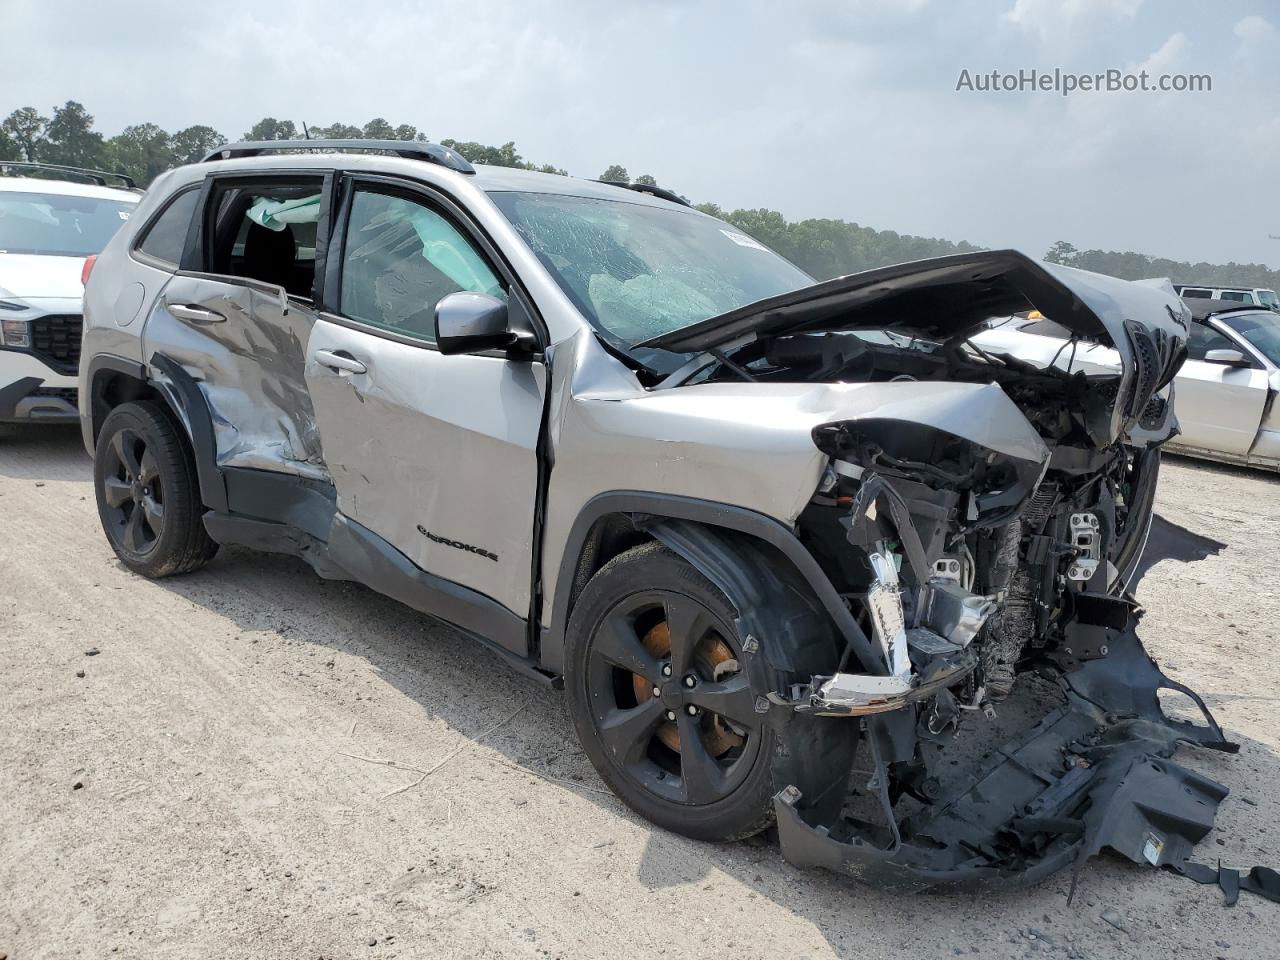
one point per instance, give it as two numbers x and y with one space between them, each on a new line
15 333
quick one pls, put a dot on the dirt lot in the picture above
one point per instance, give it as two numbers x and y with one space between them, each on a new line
252 762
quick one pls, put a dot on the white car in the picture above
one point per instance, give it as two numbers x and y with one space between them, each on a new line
1256 296
1224 393
48 227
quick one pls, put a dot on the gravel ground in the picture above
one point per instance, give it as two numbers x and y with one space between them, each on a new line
251 762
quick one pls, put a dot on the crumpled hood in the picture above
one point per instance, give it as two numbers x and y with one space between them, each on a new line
953 297
30 277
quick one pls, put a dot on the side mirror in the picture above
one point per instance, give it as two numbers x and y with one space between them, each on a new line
472 323
1228 358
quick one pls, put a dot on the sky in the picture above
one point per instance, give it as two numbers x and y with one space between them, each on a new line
816 108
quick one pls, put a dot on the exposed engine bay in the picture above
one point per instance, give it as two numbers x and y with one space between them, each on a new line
972 564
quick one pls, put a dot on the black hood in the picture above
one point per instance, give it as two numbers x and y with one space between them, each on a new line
948 297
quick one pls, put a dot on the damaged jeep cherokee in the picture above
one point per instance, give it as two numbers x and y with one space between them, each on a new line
782 542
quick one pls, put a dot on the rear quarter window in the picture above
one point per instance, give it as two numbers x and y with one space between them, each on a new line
166 236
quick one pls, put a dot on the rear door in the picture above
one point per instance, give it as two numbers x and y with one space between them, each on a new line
237 317
1218 407
437 455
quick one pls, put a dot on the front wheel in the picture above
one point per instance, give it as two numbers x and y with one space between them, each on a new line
664 701
148 497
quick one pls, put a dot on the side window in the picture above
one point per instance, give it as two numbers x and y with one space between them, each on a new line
167 234
1204 338
400 258
1237 296
1193 293
267 232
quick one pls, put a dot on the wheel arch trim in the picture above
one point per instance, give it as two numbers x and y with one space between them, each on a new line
649 512
182 393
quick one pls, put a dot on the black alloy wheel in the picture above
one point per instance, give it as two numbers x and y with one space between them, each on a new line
148 496
673 706
132 493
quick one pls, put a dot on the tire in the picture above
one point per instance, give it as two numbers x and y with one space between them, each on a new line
148 497
723 788
1131 542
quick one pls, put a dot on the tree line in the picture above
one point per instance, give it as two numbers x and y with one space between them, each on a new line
823 247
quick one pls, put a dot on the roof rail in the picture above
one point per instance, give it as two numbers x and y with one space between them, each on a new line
99 177
410 149
650 189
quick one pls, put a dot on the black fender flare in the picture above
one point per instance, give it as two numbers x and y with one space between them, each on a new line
89 419
183 394
700 546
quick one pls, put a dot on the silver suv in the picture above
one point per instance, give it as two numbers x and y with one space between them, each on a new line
764 531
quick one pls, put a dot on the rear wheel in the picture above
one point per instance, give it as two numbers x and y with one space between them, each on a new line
148 497
662 698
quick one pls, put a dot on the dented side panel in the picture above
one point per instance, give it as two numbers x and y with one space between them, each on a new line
244 342
436 454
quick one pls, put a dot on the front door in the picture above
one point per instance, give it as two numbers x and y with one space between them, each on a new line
435 454
1219 407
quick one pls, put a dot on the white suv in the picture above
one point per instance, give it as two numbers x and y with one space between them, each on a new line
1256 296
48 229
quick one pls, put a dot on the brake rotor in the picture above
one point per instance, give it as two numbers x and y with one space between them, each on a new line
713 659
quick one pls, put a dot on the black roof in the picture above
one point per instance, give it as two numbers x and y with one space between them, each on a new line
1202 308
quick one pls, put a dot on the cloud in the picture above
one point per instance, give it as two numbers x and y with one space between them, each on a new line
840 108
1057 20
1256 30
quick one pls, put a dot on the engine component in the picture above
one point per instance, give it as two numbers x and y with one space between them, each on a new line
1086 540
953 612
884 600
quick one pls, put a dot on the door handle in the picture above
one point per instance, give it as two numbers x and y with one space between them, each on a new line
342 362
193 313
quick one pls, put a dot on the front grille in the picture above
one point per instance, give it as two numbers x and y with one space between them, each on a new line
56 340
1147 368
69 394
1152 413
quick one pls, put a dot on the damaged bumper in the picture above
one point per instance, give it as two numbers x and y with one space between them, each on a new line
1093 773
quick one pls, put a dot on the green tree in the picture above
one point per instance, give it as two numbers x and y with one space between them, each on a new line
379 129
9 149
615 174
71 139
193 144
27 129
644 180
142 151
337 131
269 128
1062 252
504 156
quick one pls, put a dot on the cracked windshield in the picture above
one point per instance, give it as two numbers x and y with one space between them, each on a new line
636 271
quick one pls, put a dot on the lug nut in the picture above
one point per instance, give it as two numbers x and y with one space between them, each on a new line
671 714
657 692
691 710
666 669
690 681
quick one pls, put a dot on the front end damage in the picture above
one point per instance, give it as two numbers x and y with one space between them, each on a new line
988 575
970 569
